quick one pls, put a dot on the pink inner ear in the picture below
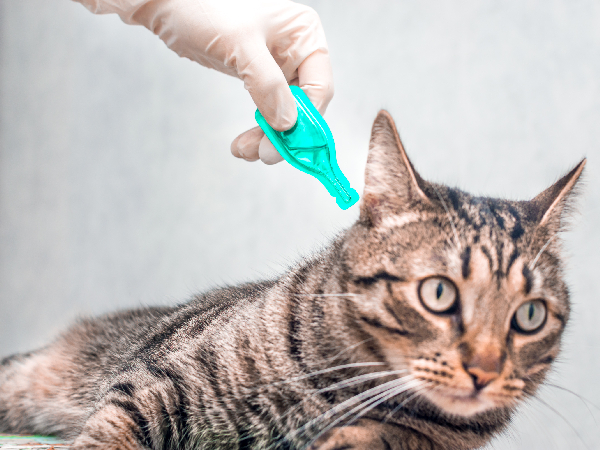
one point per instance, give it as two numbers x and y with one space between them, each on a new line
370 210
389 176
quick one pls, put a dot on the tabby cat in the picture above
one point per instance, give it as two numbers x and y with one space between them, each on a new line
423 326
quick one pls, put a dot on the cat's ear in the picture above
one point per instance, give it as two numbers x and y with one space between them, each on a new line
392 186
550 208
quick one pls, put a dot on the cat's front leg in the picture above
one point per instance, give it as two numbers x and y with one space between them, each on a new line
136 413
115 427
371 435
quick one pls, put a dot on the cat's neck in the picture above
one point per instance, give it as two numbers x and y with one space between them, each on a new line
306 322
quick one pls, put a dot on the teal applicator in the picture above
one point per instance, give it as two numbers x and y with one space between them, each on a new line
309 147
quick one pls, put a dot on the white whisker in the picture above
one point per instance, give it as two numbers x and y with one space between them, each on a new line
351 347
584 400
417 392
563 418
364 407
361 379
323 371
350 402
534 262
347 383
397 391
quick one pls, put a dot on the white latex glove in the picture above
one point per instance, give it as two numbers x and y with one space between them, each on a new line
266 43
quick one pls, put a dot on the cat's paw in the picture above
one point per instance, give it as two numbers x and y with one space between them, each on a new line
371 435
351 438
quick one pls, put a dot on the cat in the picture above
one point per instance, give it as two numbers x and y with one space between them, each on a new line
422 326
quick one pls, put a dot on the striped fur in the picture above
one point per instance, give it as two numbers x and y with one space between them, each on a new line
340 352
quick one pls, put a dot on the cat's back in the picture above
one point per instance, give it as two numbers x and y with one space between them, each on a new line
85 360
192 320
107 342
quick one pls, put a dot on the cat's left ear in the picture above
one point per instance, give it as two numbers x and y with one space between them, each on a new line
550 208
392 185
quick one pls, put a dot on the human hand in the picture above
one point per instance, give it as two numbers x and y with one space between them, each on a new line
268 44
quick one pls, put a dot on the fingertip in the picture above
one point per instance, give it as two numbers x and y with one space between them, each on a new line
234 147
246 145
268 153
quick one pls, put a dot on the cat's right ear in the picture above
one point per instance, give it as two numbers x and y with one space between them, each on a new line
551 207
392 186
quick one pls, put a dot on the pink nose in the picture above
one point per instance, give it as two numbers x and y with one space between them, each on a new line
480 377
483 367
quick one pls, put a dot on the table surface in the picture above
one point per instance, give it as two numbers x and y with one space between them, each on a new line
31 442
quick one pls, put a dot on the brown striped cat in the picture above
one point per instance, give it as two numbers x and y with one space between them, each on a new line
423 326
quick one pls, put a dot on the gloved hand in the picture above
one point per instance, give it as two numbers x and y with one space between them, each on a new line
266 43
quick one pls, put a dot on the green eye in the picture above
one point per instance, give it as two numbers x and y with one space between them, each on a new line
438 294
530 316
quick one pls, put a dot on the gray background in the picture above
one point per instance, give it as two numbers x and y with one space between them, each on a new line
117 187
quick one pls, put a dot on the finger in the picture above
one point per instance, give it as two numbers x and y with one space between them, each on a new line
268 153
246 145
315 77
268 88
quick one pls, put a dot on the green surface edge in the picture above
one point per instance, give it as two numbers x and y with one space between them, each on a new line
27 436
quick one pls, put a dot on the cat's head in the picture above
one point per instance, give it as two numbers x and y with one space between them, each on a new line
464 293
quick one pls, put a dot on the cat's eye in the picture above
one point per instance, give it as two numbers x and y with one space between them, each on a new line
438 294
530 316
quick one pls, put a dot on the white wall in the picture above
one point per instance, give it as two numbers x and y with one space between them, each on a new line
117 187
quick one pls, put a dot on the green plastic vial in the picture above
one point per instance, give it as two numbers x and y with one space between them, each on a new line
309 147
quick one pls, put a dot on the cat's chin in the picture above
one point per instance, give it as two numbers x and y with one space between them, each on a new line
463 403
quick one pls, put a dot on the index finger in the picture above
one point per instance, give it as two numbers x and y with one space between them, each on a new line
315 77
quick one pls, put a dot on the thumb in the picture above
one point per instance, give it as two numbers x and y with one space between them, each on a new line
269 90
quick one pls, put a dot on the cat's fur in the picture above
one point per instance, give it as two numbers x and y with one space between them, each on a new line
341 339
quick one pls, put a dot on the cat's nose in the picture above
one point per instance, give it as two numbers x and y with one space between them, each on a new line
484 367
480 377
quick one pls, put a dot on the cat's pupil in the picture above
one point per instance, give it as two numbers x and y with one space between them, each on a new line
531 311
439 291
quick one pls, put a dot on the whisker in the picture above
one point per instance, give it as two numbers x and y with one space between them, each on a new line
534 262
347 403
585 401
323 371
362 378
347 383
449 216
349 348
535 424
417 392
377 399
563 418
397 391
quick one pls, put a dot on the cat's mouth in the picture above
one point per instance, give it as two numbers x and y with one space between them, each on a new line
463 402
465 395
